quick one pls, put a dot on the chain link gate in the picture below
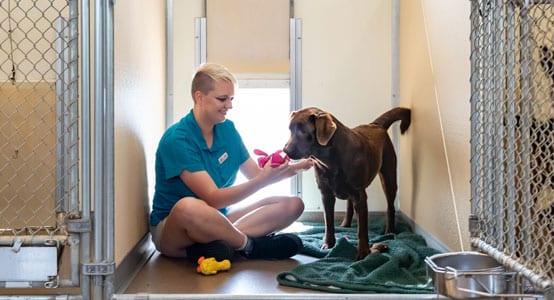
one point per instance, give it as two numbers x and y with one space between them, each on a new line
39 150
512 138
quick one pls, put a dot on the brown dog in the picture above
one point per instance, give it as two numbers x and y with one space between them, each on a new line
346 161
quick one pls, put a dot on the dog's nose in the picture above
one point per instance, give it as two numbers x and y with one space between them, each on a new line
286 149
291 153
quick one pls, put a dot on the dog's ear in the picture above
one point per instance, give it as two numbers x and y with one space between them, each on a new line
324 127
292 114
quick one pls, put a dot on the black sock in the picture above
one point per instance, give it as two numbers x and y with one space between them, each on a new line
249 245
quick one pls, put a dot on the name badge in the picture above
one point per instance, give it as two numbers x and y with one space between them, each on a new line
223 157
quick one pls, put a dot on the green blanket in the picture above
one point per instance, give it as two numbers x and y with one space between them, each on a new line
399 270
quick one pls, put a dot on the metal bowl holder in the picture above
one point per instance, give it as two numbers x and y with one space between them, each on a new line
516 283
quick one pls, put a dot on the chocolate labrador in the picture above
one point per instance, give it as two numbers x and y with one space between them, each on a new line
346 160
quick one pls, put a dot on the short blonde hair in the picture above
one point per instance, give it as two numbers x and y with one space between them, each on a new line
207 74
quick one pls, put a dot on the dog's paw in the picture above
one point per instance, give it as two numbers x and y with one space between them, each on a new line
389 231
362 253
346 223
379 248
328 244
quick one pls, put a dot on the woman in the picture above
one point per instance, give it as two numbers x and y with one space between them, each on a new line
197 161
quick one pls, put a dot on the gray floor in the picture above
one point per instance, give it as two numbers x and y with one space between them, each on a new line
169 276
162 277
177 278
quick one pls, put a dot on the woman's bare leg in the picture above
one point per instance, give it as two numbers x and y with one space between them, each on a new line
193 221
267 215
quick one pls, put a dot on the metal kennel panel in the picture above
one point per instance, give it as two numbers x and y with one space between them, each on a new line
47 179
512 136
39 125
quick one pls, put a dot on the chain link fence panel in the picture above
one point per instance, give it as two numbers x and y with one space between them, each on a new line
38 117
512 139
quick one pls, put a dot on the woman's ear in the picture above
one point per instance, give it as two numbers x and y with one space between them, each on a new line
197 97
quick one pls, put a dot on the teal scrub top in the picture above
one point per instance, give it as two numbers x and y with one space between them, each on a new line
182 147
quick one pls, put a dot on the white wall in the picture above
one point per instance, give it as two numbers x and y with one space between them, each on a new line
184 14
346 70
139 96
340 64
435 70
346 63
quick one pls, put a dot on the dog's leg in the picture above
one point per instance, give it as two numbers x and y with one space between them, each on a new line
360 205
389 185
328 199
347 221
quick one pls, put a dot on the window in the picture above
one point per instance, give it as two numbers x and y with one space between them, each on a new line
252 38
261 115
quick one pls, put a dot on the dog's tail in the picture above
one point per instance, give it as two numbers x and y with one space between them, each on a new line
396 114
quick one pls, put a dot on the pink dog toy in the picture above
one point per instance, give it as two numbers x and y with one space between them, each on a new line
277 158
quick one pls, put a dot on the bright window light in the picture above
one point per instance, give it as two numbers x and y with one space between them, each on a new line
261 115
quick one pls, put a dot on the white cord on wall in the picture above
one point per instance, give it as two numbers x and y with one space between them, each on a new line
452 193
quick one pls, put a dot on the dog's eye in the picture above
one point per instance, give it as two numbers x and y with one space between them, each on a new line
299 128
302 132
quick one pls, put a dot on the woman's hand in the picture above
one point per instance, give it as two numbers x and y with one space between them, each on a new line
285 170
303 164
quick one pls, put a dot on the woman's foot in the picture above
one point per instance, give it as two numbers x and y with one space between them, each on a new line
279 246
218 249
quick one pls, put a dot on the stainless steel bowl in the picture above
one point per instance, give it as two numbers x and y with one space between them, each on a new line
464 275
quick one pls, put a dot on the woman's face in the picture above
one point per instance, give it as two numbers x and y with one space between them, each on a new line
218 101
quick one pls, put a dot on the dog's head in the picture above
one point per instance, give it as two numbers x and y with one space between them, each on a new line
309 128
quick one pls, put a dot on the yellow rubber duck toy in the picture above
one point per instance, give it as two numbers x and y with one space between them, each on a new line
210 266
